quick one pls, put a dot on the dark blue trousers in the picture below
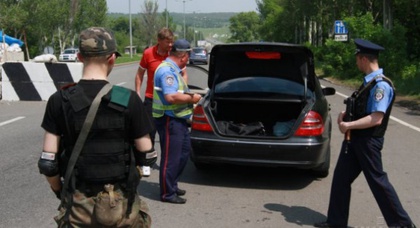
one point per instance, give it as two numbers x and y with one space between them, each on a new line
364 155
175 151
148 102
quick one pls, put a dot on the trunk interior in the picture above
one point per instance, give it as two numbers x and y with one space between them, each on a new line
277 117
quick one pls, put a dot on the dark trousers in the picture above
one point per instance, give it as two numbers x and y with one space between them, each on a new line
175 151
364 154
148 102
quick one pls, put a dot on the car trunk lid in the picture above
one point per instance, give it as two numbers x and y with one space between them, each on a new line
280 116
287 61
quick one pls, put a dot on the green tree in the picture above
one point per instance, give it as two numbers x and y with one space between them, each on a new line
244 27
12 17
270 13
406 12
54 22
150 21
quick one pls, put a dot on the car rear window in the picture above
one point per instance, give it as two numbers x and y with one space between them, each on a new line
71 51
199 51
268 85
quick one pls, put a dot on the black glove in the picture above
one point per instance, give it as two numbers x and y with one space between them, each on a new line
146 158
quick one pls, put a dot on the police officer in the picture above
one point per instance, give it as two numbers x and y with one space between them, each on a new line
172 107
373 104
101 191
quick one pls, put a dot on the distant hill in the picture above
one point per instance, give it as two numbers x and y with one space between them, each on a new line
201 20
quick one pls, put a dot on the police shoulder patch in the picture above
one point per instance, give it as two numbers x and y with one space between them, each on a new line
379 94
169 80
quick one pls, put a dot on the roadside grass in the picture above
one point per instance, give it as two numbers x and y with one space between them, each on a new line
125 58
411 102
221 33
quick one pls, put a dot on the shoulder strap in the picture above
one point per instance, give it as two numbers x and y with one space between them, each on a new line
389 81
83 135
373 80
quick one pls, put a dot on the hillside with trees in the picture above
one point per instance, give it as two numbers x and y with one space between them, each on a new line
393 24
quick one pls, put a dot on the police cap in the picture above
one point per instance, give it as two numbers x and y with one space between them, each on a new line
367 47
181 45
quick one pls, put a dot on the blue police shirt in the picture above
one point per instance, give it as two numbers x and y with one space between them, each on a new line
381 94
166 78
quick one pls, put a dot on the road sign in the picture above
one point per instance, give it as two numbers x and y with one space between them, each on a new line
341 37
340 27
340 31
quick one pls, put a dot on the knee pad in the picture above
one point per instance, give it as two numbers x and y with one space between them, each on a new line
48 164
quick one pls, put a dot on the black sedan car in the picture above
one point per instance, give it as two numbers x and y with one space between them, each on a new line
264 107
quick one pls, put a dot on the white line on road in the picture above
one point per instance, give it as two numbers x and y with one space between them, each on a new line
121 83
11 121
392 117
405 124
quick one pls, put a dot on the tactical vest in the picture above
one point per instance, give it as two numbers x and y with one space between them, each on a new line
106 155
361 101
179 110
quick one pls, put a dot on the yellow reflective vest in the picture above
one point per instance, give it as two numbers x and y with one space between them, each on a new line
179 110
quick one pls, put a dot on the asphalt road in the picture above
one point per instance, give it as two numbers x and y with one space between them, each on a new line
222 197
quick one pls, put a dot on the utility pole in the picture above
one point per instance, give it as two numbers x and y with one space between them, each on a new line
183 1
387 14
166 14
184 16
131 32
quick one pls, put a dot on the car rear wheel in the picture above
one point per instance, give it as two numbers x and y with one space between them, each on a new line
323 170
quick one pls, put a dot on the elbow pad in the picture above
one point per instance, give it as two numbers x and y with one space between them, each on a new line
48 164
146 158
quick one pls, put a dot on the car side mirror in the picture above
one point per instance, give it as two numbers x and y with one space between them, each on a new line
327 91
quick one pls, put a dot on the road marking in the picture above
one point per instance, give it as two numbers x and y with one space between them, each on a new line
11 121
121 83
405 124
391 117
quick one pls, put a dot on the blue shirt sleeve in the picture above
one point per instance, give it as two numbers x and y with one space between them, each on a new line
380 97
167 81
169 84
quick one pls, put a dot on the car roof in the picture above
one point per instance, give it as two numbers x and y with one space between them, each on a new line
288 61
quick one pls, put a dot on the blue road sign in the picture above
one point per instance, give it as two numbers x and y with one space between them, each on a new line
340 27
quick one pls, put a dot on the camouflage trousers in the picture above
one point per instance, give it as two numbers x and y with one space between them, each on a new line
82 214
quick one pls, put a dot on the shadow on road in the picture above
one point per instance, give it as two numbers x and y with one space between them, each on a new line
298 215
234 177
248 177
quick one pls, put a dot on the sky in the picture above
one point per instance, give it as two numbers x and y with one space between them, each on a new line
191 6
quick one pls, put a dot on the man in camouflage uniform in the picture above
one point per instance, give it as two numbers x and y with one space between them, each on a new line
101 190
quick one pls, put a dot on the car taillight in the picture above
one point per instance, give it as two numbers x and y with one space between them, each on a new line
199 120
312 125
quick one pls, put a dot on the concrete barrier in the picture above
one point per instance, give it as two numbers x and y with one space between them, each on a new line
30 81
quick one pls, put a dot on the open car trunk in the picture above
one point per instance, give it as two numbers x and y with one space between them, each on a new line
256 117
254 85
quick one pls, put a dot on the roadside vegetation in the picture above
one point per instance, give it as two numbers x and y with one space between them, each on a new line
393 24
126 58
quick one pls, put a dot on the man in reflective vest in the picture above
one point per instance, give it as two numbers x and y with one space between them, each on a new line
172 107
